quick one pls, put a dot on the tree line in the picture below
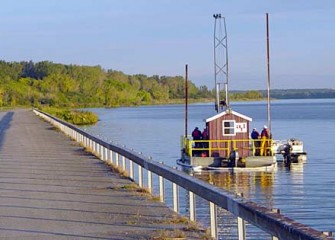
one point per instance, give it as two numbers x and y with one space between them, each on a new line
302 93
28 83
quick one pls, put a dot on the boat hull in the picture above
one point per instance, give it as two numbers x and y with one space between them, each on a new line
216 163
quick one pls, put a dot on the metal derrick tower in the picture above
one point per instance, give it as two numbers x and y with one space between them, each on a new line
220 61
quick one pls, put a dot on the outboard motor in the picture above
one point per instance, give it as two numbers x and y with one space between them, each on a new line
233 158
286 150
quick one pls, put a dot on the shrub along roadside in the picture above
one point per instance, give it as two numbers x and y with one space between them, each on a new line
76 117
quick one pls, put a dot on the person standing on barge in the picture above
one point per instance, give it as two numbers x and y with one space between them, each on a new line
265 137
256 141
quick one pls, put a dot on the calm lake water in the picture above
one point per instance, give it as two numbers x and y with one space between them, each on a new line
304 192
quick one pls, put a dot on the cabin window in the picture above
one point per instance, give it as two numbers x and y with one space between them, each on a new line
228 128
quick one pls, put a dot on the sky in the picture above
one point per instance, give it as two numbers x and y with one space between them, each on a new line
159 37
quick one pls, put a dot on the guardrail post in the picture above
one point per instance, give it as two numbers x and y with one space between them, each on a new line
175 196
116 159
241 225
150 181
95 147
140 176
123 163
275 210
161 188
241 229
111 157
131 169
192 206
213 220
106 154
98 149
101 155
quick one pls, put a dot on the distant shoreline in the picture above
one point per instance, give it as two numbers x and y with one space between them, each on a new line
297 93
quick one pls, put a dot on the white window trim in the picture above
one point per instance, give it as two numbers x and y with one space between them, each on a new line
223 128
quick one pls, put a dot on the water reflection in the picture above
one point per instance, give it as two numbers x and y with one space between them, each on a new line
253 185
261 187
247 183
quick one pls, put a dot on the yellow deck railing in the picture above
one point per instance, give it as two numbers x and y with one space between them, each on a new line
260 147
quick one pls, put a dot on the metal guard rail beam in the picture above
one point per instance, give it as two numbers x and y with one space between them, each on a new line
273 223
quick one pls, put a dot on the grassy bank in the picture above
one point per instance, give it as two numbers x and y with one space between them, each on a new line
76 117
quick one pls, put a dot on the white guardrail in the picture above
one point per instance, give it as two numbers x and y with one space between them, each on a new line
268 220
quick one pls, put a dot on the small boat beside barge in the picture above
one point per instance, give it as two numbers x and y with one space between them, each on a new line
292 151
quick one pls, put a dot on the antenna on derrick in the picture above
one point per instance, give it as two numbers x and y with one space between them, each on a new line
220 61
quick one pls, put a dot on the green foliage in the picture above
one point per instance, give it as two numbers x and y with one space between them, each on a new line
72 116
59 85
246 95
29 83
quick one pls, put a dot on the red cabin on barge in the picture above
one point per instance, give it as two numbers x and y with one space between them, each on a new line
231 131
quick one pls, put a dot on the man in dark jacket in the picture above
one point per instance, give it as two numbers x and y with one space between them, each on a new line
256 143
196 134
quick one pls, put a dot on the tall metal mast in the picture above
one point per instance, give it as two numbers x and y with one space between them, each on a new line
220 61
186 98
268 68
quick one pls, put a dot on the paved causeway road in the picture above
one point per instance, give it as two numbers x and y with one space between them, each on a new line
50 188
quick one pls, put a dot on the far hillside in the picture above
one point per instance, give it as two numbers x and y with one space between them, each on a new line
54 84
60 85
